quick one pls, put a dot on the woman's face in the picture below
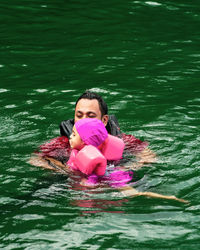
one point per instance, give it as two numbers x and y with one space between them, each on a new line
75 140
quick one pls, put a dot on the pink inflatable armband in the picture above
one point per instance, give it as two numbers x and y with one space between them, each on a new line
90 160
113 148
71 161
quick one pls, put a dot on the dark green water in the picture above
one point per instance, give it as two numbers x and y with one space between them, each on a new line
144 59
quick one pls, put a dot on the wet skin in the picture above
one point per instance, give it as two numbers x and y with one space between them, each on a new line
75 140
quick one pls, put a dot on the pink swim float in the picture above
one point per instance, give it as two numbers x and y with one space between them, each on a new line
112 148
88 160
91 160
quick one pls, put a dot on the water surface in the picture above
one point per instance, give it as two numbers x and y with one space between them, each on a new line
143 58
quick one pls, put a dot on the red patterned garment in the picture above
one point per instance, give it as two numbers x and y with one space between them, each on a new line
59 147
132 144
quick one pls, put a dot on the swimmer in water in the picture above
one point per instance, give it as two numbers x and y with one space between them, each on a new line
92 132
92 147
90 105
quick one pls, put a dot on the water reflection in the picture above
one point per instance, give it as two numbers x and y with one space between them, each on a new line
100 205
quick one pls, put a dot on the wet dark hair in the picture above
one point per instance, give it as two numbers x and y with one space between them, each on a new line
94 96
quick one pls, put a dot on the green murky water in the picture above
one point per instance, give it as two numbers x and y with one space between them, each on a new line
143 58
